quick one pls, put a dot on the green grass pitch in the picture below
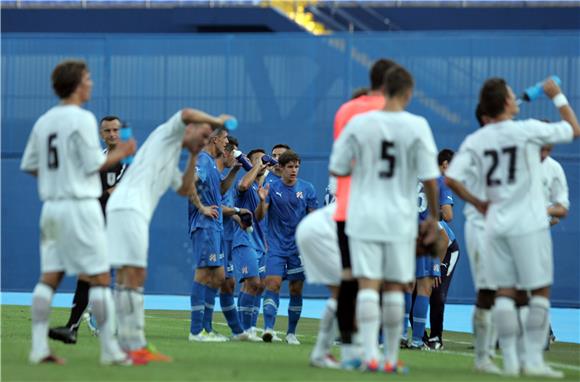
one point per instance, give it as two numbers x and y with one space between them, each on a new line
232 361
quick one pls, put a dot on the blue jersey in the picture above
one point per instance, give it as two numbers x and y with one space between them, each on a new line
445 197
448 231
228 200
445 194
250 199
271 178
208 189
288 205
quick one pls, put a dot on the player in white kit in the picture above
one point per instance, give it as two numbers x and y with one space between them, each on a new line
505 154
153 171
63 151
385 152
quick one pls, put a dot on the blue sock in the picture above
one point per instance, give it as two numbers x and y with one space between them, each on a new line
246 303
271 300
209 304
420 317
197 307
408 304
230 312
256 312
294 312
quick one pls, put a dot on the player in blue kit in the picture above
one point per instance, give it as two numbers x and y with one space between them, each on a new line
275 172
206 226
249 248
287 202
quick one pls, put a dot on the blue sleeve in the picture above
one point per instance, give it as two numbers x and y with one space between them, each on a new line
311 200
445 194
201 168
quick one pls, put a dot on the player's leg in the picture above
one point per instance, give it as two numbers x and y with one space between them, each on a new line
261 287
247 272
275 269
346 300
215 255
425 273
321 356
68 332
408 297
229 309
296 278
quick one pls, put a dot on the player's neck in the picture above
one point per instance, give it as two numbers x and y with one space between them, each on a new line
395 105
74 99
375 93
289 182
501 118
212 150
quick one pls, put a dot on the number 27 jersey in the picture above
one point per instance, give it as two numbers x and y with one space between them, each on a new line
385 153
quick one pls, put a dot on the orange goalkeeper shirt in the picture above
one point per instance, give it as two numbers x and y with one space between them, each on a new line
343 115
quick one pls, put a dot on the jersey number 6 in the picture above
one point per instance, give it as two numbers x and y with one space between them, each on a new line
52 153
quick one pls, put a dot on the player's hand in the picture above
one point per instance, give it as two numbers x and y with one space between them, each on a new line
482 206
551 88
244 211
263 192
224 117
436 282
428 231
127 147
209 211
257 162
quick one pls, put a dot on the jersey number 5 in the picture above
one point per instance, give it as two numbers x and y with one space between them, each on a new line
52 153
495 156
390 158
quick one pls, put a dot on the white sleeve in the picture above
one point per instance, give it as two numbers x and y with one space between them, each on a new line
559 190
544 133
176 179
30 157
176 123
85 141
344 151
462 167
426 150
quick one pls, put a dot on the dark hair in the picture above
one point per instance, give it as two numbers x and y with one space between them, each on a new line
359 93
377 73
479 115
397 81
493 96
445 155
232 142
67 76
219 132
287 157
281 145
110 118
255 151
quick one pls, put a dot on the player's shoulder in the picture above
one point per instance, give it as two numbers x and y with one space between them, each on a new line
304 184
553 165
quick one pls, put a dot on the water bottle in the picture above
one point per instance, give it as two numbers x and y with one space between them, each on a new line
266 159
533 92
240 157
247 220
125 134
231 124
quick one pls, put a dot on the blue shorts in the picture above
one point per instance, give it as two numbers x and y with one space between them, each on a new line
207 248
248 263
228 262
427 266
287 267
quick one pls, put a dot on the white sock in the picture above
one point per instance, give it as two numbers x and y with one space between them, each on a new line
523 312
326 330
506 320
121 298
368 320
537 326
101 301
482 330
393 316
136 319
493 338
40 311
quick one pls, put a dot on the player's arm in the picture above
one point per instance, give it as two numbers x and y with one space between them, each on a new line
431 225
447 212
188 178
263 206
122 150
197 116
343 153
460 190
250 177
209 211
554 92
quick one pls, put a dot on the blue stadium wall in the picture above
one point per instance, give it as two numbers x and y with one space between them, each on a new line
283 88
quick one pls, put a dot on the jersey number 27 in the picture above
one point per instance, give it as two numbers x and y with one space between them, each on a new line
511 152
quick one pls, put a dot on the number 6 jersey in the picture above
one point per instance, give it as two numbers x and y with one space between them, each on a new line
507 156
385 153
64 149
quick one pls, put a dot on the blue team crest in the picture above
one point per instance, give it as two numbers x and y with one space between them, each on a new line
300 195
213 257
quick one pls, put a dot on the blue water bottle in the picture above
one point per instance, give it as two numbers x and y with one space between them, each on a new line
125 134
240 157
533 92
231 124
266 159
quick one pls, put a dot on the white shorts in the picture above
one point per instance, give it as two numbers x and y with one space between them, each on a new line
72 237
479 261
523 261
127 238
318 245
377 260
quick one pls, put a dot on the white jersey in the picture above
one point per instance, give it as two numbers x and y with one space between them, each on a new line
555 184
153 171
507 157
64 149
385 152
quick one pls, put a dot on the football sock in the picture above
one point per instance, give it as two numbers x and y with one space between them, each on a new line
197 300
368 320
271 300
135 319
230 312
482 331
408 305
210 294
393 316
345 309
505 318
521 342
40 310
537 326
104 311
294 312
246 308
420 309
325 336
80 303
256 313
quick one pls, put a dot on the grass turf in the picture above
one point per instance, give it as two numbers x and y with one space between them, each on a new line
232 361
